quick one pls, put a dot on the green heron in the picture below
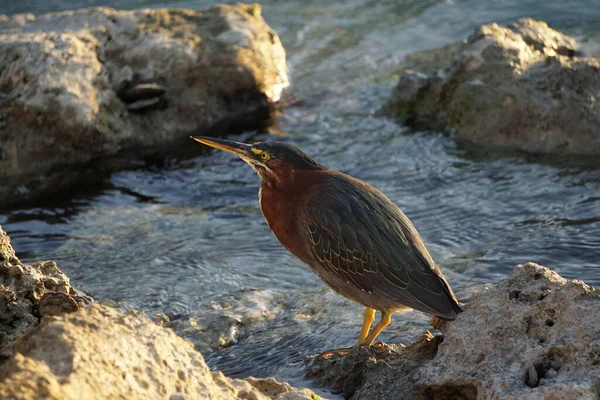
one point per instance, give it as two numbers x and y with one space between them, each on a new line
348 232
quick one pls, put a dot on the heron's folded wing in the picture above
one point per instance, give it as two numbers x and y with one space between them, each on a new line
363 238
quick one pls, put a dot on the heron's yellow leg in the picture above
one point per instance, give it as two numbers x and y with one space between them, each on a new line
386 318
365 338
367 321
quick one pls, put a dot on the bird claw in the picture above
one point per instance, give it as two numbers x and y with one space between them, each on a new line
346 350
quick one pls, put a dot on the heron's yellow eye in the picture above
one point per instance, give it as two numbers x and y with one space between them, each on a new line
264 156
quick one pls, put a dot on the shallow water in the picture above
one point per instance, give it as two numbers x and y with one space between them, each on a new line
178 235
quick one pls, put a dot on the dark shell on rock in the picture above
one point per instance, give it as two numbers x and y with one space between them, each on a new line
141 95
147 104
134 91
56 303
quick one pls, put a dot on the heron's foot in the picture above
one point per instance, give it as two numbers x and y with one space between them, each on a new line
377 345
345 350
341 352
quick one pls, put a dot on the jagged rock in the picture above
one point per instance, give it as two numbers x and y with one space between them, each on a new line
534 335
62 74
22 287
523 86
80 350
7 253
99 353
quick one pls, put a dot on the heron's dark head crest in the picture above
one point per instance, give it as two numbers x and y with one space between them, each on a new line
291 155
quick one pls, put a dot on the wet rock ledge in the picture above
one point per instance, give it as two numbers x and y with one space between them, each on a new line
77 85
534 335
56 344
522 86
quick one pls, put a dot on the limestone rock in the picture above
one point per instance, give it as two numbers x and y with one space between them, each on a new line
7 253
534 335
523 86
21 289
78 85
63 350
99 353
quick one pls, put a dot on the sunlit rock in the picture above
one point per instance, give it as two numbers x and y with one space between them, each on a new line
523 86
99 353
79 350
534 335
22 289
76 85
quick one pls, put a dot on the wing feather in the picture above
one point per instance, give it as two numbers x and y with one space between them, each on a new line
360 236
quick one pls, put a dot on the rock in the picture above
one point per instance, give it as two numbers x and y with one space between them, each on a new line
99 353
56 303
78 85
226 319
23 286
83 350
7 253
523 86
534 335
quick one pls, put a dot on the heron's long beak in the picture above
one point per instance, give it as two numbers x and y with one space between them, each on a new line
241 150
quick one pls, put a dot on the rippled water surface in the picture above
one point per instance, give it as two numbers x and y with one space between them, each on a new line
179 235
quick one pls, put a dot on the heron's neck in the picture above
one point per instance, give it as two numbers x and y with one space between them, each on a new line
277 178
289 184
282 203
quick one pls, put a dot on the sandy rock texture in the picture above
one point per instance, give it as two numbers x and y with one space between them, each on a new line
532 336
27 292
523 86
99 353
77 85
56 344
